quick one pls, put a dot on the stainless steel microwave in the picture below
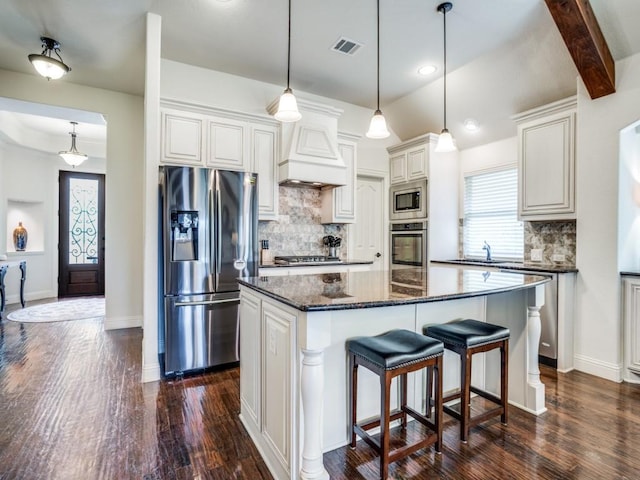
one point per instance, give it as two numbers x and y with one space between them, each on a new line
408 200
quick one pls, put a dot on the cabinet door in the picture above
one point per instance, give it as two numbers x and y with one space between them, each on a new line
227 144
632 324
339 203
250 320
181 137
417 163
264 152
547 178
278 354
398 168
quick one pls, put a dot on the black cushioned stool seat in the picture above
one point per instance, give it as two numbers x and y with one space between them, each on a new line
467 337
394 354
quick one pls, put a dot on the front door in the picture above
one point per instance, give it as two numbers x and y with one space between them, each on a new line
81 234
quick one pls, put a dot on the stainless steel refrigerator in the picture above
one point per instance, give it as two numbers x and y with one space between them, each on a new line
208 236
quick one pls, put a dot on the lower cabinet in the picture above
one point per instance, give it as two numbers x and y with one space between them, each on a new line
267 402
631 321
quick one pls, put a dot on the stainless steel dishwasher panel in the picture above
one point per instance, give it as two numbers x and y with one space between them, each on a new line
201 331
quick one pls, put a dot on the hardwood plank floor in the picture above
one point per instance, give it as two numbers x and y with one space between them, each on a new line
72 407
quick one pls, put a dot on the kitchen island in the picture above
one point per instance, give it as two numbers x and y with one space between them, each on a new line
293 367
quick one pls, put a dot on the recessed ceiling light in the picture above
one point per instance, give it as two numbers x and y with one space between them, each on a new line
427 70
471 124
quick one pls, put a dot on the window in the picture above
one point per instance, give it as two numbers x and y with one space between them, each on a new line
491 215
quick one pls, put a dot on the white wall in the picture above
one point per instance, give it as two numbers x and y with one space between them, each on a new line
124 195
629 200
598 347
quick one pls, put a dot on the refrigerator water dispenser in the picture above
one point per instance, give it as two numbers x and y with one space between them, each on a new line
184 235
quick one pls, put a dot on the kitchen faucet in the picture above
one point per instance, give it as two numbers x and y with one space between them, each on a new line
487 247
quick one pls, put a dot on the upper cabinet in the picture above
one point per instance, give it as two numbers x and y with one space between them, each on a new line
207 137
409 160
546 162
339 203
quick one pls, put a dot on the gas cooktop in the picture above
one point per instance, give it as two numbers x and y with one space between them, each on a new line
305 260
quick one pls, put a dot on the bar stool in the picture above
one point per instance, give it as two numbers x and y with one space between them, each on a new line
467 337
391 354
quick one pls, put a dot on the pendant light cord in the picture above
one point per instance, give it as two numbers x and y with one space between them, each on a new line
289 47
444 20
378 63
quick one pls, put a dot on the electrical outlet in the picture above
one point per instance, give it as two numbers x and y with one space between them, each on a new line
558 257
536 254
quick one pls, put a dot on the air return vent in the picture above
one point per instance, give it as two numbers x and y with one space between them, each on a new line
346 46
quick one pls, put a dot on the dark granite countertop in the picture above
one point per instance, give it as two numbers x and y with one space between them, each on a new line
342 291
318 264
529 267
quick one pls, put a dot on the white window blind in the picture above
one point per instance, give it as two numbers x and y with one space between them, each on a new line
491 215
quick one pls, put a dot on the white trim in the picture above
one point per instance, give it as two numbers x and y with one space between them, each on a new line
150 373
593 366
116 323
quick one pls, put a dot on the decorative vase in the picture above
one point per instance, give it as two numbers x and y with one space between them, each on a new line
20 238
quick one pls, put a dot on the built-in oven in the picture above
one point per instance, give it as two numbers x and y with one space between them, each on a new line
408 201
408 260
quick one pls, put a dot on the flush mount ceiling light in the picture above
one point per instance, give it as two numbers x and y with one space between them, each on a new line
427 70
445 141
73 157
45 64
471 124
378 125
288 106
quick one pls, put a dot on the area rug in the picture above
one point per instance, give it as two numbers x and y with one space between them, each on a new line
76 309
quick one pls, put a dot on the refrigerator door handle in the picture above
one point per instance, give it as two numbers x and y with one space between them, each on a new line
207 302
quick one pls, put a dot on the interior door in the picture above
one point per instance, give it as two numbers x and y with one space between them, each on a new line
81 234
369 228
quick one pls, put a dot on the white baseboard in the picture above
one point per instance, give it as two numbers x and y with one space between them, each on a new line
115 323
15 298
592 366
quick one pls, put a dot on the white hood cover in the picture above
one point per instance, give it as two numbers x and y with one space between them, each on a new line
309 147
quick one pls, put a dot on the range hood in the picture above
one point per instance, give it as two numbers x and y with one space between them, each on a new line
309 147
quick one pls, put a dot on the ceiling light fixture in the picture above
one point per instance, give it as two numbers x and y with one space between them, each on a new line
288 106
427 70
471 124
378 125
45 64
73 157
445 141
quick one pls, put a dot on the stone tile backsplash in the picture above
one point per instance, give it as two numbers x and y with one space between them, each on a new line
553 238
298 230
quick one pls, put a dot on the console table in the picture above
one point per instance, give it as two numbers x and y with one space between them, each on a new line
4 267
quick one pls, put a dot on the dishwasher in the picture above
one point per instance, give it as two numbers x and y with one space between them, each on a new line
548 346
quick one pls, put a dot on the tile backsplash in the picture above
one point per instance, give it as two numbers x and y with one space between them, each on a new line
556 240
298 230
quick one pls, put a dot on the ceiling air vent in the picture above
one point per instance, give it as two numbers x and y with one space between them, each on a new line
346 46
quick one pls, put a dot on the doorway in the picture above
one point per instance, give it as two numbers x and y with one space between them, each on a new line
369 231
81 233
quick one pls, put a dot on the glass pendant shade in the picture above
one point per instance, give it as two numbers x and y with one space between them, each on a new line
378 126
288 108
73 157
445 142
45 64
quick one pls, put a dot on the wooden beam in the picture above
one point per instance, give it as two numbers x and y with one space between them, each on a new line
588 48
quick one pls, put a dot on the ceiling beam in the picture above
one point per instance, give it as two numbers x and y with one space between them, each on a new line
586 44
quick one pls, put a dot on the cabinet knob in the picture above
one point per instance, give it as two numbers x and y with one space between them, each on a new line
378 255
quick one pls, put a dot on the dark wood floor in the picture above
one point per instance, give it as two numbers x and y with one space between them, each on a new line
72 407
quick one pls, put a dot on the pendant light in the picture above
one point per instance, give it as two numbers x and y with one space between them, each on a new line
288 106
45 64
378 125
73 157
445 141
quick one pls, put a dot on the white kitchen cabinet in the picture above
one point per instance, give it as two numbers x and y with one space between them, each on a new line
314 269
409 160
208 137
339 203
228 144
182 137
250 380
631 325
546 162
264 158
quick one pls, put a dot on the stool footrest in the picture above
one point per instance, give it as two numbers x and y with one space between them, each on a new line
487 395
375 422
419 417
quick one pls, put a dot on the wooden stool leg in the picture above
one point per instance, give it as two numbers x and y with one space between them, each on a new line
353 373
385 405
504 380
465 397
438 414
429 392
403 399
